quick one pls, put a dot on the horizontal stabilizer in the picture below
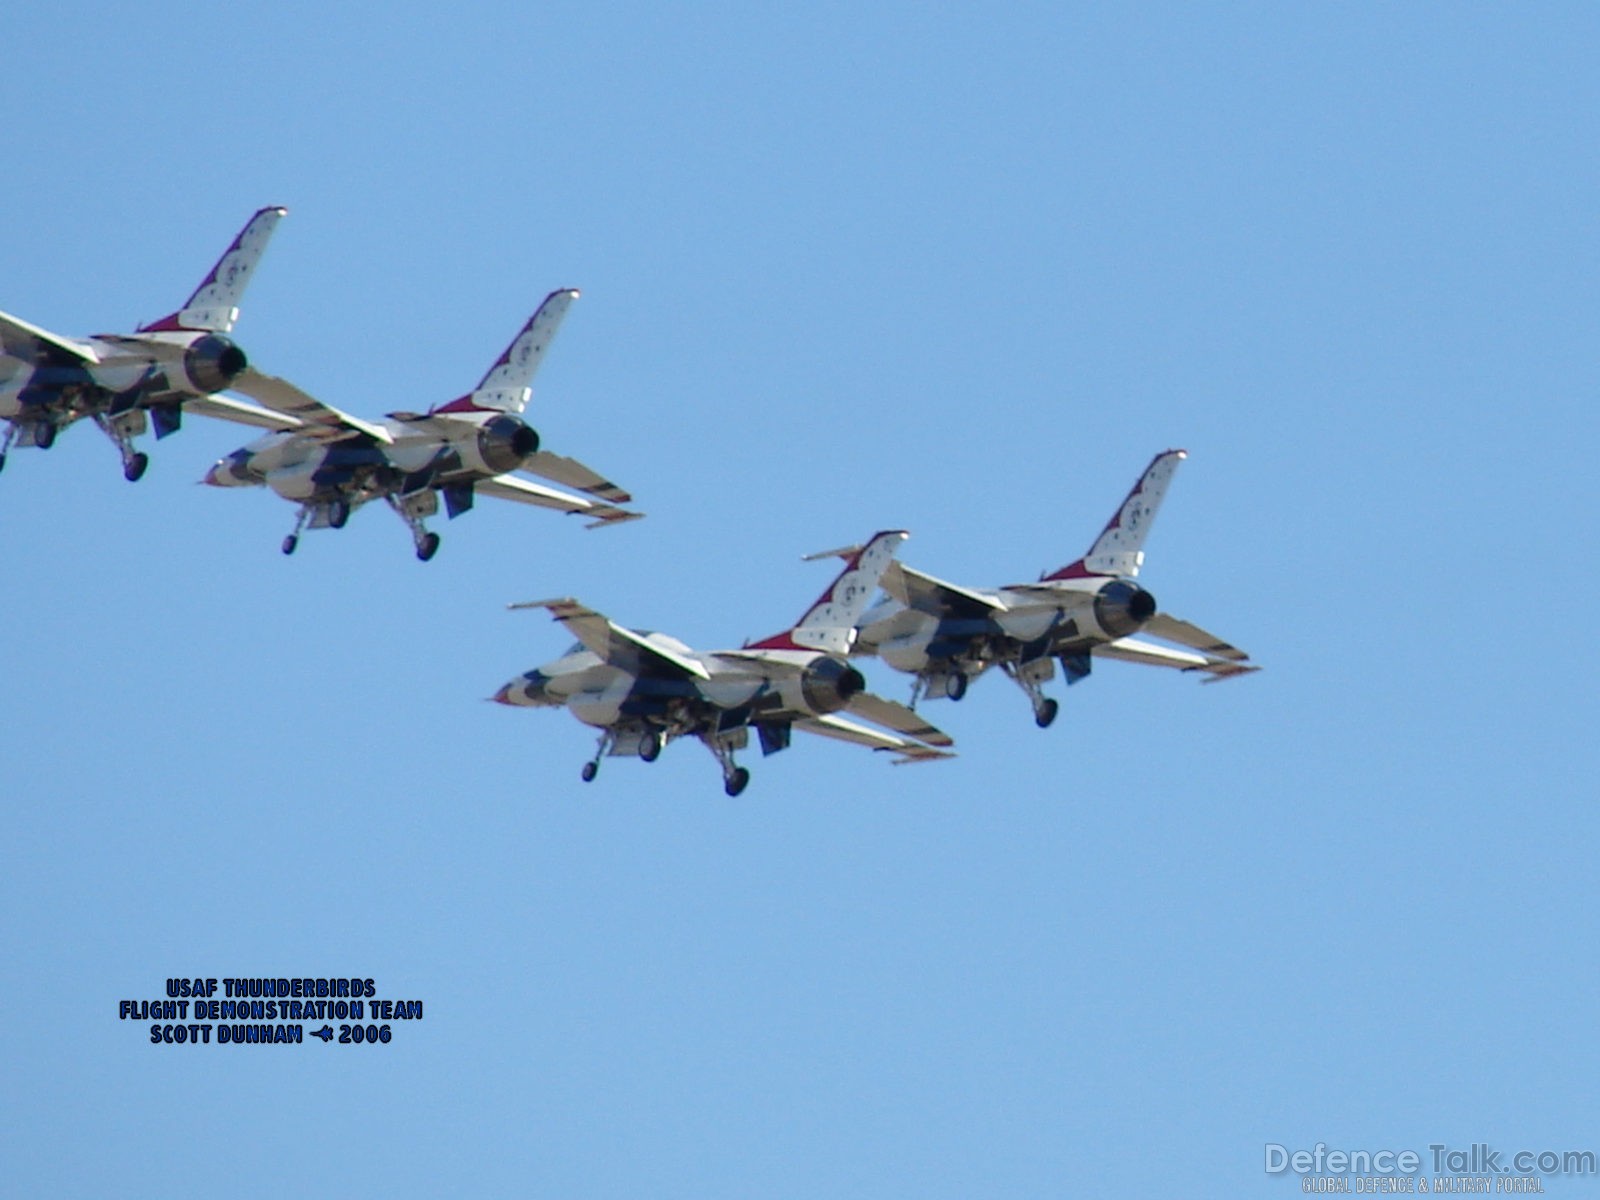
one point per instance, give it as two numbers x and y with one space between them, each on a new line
569 472
510 487
1173 630
897 717
1150 654
836 727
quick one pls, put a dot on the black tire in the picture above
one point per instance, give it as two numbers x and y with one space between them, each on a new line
44 435
590 770
1046 714
135 469
2 462
289 543
650 747
428 547
338 514
957 687
737 782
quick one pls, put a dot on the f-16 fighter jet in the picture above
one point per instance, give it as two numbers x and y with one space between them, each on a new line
641 690
330 463
946 635
125 383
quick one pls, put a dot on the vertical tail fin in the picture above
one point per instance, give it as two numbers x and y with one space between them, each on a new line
829 624
507 386
1119 548
214 306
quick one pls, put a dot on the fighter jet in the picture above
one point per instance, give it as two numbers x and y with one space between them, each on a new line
947 635
126 383
642 690
330 463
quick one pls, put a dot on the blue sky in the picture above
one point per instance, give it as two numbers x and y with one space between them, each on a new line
961 273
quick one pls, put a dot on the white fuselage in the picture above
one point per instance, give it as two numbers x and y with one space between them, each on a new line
169 365
781 684
434 450
1052 615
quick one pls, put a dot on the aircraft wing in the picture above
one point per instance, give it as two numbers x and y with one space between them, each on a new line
21 340
509 487
1135 650
1173 630
228 409
896 717
927 594
569 472
281 396
848 731
616 646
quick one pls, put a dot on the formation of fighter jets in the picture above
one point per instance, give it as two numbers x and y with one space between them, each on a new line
641 690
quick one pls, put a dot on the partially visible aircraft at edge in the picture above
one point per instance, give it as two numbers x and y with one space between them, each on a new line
126 383
642 690
330 463
946 635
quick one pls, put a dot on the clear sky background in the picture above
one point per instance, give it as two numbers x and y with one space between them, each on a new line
961 272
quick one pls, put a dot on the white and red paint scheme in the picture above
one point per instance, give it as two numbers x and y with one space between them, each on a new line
947 635
125 383
642 690
330 463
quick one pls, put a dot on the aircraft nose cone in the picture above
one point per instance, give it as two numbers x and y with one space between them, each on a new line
211 475
524 690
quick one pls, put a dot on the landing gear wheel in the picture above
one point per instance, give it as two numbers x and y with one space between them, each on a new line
737 782
135 469
44 435
957 687
338 514
650 747
289 543
1046 714
428 546
2 462
590 770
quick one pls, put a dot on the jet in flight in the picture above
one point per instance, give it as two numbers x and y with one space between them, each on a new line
126 383
642 690
947 635
330 463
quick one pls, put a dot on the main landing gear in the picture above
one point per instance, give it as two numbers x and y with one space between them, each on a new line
121 429
734 777
1028 676
411 509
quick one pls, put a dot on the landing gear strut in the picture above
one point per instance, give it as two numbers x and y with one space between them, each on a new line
121 430
734 777
411 509
293 540
1028 676
592 767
